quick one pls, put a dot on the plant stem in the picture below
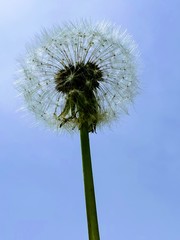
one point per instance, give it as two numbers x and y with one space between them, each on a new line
91 212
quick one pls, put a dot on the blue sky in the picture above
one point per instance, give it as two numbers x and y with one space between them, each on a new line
136 163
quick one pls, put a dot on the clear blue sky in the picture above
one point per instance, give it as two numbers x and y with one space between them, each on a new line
136 163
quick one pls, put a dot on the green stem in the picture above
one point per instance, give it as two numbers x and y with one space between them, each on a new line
92 220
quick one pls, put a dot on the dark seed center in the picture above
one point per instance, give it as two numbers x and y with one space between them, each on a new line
83 77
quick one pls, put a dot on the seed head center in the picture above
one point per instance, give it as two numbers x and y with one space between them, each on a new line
82 77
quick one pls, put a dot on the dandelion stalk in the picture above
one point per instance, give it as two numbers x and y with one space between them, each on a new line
92 218
79 77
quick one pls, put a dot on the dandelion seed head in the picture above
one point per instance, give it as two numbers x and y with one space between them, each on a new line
79 73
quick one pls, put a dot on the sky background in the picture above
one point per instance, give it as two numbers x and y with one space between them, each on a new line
136 162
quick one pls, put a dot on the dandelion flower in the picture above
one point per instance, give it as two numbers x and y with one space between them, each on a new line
81 72
80 76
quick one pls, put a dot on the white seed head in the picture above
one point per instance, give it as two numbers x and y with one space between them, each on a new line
80 72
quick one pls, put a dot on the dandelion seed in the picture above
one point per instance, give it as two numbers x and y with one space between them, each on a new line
86 68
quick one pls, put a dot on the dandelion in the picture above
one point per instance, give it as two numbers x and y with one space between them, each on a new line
78 77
